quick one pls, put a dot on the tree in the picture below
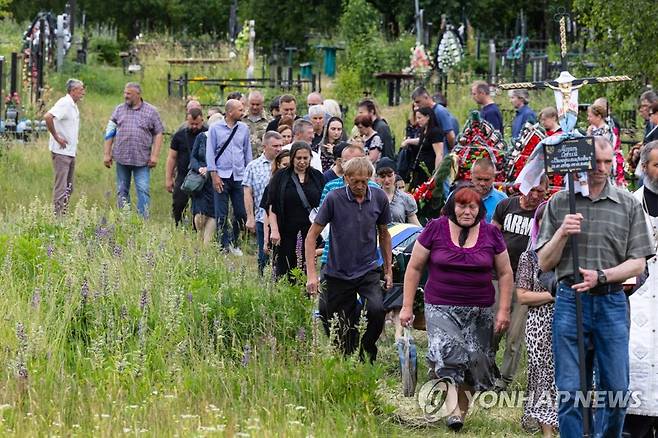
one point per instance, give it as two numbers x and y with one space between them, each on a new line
4 8
621 39
289 23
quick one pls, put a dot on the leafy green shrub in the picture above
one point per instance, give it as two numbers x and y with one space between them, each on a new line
367 51
107 51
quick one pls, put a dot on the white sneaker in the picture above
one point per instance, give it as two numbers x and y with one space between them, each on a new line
235 251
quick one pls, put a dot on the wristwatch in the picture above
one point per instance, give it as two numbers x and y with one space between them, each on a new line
601 278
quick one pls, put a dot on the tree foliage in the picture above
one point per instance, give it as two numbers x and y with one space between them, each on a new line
622 39
4 8
492 18
282 23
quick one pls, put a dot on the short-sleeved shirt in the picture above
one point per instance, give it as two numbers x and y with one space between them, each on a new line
516 223
135 130
402 206
182 142
67 125
384 131
335 184
460 276
491 113
353 231
374 142
613 229
444 117
257 176
491 201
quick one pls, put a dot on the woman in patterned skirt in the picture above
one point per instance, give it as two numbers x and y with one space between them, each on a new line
539 408
461 251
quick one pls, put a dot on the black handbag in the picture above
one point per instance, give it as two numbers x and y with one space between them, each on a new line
193 181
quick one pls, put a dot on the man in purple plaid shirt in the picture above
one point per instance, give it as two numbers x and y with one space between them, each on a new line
135 147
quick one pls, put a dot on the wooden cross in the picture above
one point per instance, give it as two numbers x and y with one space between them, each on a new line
566 93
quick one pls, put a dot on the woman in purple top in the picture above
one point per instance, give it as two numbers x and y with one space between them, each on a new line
461 252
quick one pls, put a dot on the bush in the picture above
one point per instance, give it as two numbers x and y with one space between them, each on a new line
367 51
107 51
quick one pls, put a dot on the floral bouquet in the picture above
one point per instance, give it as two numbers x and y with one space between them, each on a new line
13 100
420 61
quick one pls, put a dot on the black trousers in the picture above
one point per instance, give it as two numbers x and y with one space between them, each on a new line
338 302
179 202
286 259
640 426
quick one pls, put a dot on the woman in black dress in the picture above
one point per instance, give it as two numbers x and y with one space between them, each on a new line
426 151
203 207
289 209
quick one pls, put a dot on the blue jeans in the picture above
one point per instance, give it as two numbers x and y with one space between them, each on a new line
232 191
260 241
606 327
142 176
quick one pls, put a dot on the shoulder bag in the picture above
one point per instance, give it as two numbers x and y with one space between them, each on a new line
194 181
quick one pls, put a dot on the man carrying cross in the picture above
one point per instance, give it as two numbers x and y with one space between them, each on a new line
613 244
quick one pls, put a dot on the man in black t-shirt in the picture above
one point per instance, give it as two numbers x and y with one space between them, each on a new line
287 112
178 159
513 216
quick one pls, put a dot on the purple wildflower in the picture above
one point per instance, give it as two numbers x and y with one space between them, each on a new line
150 259
190 297
246 355
36 298
117 251
301 334
22 370
104 280
21 367
102 233
299 245
143 300
84 291
50 250
22 336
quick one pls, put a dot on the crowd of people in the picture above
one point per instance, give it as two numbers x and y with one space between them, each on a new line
318 194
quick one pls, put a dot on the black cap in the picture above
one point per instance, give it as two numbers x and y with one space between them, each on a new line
385 163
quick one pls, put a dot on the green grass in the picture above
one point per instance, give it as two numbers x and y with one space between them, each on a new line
112 325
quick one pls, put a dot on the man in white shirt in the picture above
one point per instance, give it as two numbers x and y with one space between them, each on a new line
63 122
302 130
